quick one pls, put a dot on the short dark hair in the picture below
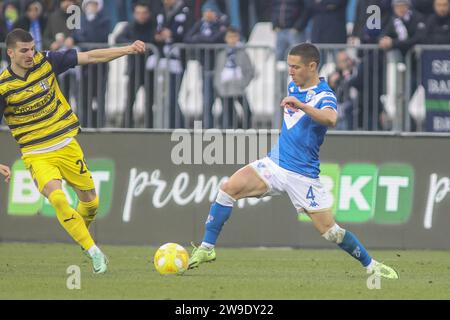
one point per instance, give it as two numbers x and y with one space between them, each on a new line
307 51
141 3
17 35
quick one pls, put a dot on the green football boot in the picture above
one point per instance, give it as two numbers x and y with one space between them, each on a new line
99 263
201 255
384 271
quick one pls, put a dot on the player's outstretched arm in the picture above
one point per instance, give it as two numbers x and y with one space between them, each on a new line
325 116
4 171
106 55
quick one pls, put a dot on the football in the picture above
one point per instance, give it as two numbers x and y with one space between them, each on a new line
171 258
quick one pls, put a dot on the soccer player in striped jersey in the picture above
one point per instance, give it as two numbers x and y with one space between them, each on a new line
43 124
292 166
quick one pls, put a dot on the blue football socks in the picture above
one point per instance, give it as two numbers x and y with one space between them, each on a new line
217 217
352 245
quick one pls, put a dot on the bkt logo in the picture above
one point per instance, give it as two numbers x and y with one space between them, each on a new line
362 192
25 200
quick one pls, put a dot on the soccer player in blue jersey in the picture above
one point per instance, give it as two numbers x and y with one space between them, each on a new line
292 166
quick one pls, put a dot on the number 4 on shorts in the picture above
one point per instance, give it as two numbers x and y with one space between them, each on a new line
310 194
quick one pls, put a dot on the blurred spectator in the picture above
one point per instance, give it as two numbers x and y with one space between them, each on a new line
56 31
425 7
361 33
34 22
438 24
173 22
289 20
339 81
236 10
329 21
95 25
209 30
94 31
10 15
142 28
47 5
368 80
233 73
55 36
405 28
195 7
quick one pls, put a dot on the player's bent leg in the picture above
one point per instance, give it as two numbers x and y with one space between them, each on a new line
324 222
70 220
87 205
244 183
74 224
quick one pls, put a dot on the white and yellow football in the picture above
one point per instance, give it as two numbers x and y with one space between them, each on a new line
171 258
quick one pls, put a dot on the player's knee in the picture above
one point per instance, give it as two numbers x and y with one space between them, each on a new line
94 204
87 196
59 200
335 234
88 208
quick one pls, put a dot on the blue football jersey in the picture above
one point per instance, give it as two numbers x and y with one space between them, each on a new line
298 146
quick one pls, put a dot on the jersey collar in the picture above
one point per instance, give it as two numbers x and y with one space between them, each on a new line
14 75
311 88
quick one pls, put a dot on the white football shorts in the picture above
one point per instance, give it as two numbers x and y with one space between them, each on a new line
307 195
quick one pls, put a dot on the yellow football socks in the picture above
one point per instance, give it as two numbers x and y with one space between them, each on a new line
71 221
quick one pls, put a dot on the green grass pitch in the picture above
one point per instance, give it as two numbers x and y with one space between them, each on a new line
38 271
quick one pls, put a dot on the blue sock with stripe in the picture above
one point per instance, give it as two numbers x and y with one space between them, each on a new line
351 244
218 215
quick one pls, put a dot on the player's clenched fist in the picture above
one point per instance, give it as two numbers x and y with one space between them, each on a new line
4 170
137 47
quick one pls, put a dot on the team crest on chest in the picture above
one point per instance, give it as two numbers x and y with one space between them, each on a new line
309 95
44 85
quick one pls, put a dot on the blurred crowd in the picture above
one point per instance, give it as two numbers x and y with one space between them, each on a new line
403 24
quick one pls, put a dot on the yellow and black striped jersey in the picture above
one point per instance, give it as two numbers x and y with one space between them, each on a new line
34 107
